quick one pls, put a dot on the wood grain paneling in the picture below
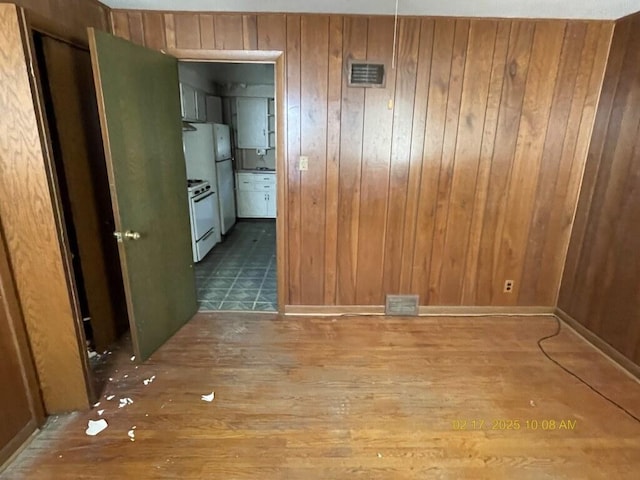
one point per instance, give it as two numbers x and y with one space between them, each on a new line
600 286
68 18
30 217
314 58
461 173
351 122
20 402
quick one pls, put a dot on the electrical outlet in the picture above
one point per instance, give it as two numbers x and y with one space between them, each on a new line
508 286
303 164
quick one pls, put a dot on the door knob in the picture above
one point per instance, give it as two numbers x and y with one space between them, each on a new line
128 234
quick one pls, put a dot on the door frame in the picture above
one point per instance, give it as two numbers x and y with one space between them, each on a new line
275 57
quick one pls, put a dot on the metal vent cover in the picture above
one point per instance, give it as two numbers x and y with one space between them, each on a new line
403 305
364 74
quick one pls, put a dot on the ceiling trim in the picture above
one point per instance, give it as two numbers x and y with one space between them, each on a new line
563 9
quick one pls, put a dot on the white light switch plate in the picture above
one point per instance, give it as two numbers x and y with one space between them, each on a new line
304 164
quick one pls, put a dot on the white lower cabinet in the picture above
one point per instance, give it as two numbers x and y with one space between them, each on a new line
256 195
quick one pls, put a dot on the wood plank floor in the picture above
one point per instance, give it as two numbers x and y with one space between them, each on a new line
352 397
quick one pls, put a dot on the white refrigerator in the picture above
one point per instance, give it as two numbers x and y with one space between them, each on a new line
224 174
207 152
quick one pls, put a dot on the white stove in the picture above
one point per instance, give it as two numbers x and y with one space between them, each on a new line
202 211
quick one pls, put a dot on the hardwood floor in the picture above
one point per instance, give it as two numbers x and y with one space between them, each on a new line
352 397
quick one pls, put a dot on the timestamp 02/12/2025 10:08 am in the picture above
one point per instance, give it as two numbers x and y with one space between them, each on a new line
547 424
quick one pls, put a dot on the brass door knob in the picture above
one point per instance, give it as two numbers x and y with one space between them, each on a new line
131 235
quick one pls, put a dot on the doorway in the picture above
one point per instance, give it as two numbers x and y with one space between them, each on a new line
233 104
77 155
146 203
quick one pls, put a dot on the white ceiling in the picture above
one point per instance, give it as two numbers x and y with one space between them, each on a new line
586 9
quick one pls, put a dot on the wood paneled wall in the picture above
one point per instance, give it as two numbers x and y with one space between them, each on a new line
68 18
461 173
601 282
31 219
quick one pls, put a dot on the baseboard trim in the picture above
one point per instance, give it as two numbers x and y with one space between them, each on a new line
15 447
423 311
613 355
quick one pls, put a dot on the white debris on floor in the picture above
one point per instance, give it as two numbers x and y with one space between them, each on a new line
532 403
133 358
96 404
124 402
94 427
110 397
208 398
100 412
149 380
132 435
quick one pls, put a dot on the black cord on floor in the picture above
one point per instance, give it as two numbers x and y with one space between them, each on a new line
613 402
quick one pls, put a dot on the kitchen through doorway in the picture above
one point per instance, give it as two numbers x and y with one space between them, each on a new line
229 139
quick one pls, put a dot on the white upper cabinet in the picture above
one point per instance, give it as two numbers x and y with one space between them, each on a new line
193 104
201 106
253 122
188 102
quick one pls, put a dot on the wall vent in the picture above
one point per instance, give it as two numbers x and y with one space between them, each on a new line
403 305
362 74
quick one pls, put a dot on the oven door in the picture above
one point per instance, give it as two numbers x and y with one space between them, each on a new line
203 214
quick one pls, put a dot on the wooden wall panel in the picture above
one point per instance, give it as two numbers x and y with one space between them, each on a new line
406 77
376 163
293 122
314 70
437 90
600 286
469 179
418 134
334 111
30 217
512 87
70 18
473 106
538 95
351 130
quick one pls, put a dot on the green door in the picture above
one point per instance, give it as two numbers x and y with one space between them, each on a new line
139 104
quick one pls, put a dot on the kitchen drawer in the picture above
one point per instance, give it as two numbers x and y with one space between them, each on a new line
257 177
247 185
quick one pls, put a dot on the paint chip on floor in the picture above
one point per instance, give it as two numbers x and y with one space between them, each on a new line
149 380
532 403
94 427
124 402
133 358
97 404
110 397
208 398
132 435
100 412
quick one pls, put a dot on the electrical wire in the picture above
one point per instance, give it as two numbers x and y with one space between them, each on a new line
555 334
395 36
